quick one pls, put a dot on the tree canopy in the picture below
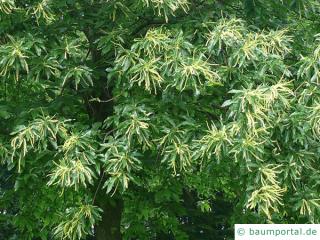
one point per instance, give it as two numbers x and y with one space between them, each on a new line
157 119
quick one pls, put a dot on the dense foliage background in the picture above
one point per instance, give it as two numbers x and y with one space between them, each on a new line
157 119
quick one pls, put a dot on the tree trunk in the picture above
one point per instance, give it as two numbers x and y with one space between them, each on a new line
109 227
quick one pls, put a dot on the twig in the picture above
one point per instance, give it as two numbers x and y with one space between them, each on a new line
96 192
